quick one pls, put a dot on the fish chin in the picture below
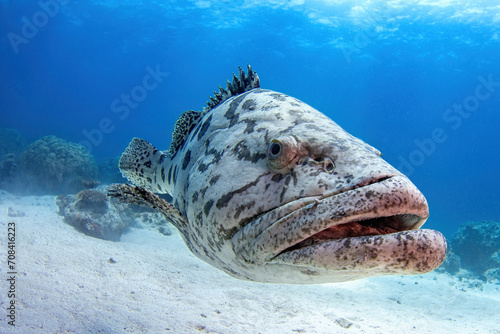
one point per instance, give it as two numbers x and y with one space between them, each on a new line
371 229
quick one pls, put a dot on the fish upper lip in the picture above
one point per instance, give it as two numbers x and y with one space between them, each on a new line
286 227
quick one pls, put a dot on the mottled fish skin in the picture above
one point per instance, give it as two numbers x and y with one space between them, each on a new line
263 171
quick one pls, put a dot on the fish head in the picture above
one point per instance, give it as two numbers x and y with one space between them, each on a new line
275 191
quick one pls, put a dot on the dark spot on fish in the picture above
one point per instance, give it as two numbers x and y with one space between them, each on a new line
369 194
211 243
163 174
148 164
227 234
277 177
149 180
309 272
204 127
232 271
242 208
214 180
175 173
231 114
195 197
349 178
196 131
278 96
208 207
170 175
298 116
315 128
199 220
294 176
202 167
242 152
287 180
222 202
216 155
283 191
249 104
185 161
270 105
250 125
203 191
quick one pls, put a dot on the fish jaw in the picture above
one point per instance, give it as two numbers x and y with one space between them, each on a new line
366 231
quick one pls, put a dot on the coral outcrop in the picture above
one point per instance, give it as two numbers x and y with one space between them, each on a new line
53 166
476 248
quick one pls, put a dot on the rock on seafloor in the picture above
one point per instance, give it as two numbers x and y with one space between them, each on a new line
94 214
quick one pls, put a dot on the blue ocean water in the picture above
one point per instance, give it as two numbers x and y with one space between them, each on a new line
419 80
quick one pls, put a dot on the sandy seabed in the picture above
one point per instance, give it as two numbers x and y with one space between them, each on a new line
66 283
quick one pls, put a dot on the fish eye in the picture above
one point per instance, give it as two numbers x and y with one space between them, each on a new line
274 149
281 153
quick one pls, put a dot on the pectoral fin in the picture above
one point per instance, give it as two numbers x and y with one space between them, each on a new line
131 194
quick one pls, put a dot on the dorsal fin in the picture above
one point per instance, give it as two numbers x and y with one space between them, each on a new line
189 119
183 126
240 84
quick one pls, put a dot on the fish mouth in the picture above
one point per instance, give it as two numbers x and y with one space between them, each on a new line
369 227
336 231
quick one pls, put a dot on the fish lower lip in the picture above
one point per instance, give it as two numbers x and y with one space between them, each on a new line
403 253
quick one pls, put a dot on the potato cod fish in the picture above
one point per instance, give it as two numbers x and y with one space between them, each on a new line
268 189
